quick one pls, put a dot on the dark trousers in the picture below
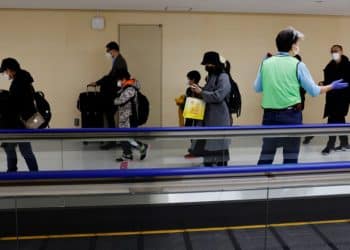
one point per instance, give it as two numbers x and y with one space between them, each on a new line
110 118
127 147
343 138
290 145
27 153
216 158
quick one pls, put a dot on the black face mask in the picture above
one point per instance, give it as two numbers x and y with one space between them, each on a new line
210 69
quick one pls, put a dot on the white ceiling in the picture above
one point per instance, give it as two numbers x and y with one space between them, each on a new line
328 7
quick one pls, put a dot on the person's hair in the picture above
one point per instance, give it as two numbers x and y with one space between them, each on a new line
286 38
124 74
298 57
337 46
112 46
227 67
194 75
11 64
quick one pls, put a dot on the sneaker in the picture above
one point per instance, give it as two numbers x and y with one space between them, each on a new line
327 150
143 151
340 148
124 158
190 156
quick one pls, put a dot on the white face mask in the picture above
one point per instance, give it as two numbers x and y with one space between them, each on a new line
336 56
119 83
6 76
109 56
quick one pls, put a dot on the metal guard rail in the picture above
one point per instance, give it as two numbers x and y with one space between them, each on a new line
171 132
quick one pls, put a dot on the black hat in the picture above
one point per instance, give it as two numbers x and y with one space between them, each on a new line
9 63
211 57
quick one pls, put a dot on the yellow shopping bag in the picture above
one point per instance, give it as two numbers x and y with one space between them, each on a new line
194 108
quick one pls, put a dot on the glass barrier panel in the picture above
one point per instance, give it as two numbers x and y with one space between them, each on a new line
31 155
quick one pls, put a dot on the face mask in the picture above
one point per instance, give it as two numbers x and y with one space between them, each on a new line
108 55
210 69
119 83
6 76
336 56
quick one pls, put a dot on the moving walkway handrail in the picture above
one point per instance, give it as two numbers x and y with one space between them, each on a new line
171 132
172 172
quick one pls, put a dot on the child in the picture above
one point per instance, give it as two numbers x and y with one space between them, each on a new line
196 148
125 101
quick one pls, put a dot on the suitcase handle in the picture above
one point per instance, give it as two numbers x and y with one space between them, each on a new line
87 88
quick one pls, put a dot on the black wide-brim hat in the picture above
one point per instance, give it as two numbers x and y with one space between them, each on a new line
9 63
211 57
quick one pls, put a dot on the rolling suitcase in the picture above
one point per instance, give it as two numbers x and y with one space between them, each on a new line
90 104
4 109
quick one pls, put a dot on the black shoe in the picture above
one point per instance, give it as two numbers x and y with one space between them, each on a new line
307 140
108 145
143 151
124 158
340 148
327 150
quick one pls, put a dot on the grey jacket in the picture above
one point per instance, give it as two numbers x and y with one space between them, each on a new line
215 94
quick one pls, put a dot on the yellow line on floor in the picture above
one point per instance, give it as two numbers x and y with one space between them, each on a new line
190 230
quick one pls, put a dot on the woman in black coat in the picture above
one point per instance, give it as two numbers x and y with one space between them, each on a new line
337 101
21 105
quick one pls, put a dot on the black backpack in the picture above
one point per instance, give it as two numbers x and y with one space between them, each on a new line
43 108
234 102
141 108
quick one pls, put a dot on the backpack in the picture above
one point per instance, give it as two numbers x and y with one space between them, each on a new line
234 102
43 107
141 108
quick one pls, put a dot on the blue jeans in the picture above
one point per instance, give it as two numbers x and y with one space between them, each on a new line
290 145
27 153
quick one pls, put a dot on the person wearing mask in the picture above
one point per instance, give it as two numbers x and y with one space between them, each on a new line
125 101
279 80
337 102
215 94
108 86
21 105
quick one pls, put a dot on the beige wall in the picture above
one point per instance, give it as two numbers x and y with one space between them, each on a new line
64 54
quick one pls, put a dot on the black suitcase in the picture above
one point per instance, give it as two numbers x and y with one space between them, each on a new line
4 109
90 104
